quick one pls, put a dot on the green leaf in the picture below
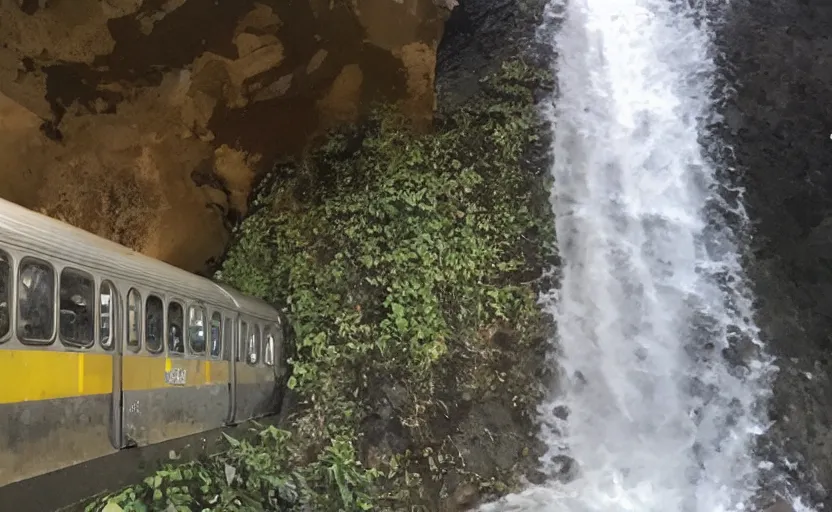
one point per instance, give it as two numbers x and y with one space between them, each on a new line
230 473
112 506
401 324
398 309
233 442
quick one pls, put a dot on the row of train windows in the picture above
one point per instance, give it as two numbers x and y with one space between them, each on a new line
153 326
35 309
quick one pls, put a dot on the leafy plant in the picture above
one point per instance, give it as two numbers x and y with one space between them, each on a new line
394 253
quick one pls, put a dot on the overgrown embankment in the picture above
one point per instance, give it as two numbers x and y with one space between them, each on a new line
408 265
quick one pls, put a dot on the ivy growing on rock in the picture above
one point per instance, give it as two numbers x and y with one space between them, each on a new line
408 265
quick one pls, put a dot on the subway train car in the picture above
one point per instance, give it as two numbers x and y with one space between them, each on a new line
102 349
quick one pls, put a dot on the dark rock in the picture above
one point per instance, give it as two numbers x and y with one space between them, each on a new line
464 496
489 438
780 506
396 395
776 58
561 412
504 339
479 35
537 477
566 468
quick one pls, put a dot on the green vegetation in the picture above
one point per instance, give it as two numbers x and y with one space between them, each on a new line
398 257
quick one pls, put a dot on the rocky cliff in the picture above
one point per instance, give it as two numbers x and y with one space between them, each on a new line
147 121
778 57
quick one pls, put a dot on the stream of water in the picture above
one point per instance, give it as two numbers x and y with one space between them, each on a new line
663 379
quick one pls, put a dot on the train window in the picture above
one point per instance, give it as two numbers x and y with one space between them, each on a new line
36 301
241 346
134 315
106 300
254 344
228 336
154 324
5 293
268 350
196 329
77 303
176 319
216 329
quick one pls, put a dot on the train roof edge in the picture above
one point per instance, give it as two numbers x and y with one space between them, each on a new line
26 229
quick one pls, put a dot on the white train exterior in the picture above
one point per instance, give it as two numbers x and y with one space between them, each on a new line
102 348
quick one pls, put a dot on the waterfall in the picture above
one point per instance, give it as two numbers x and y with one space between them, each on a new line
663 378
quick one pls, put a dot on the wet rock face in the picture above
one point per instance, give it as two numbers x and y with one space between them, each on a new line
479 35
778 123
147 121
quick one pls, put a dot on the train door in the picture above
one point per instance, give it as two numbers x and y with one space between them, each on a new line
242 372
230 335
255 380
139 357
112 337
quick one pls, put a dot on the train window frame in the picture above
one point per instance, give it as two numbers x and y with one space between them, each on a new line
10 294
278 343
255 348
139 325
85 344
268 346
241 342
168 342
109 342
199 308
25 339
228 336
219 354
161 346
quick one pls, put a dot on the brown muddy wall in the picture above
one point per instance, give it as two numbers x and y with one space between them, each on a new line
147 121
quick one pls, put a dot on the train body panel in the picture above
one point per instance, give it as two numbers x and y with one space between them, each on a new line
45 435
55 410
157 409
256 391
102 348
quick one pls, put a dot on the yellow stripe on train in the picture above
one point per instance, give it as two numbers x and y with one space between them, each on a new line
43 375
142 372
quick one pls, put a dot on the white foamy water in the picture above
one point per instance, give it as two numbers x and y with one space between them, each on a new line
662 373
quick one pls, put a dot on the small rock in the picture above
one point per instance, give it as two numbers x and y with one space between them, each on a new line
466 495
397 396
536 477
566 468
386 412
374 457
780 506
316 61
561 412
275 89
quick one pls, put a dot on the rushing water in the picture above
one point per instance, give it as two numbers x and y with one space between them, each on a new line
663 377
